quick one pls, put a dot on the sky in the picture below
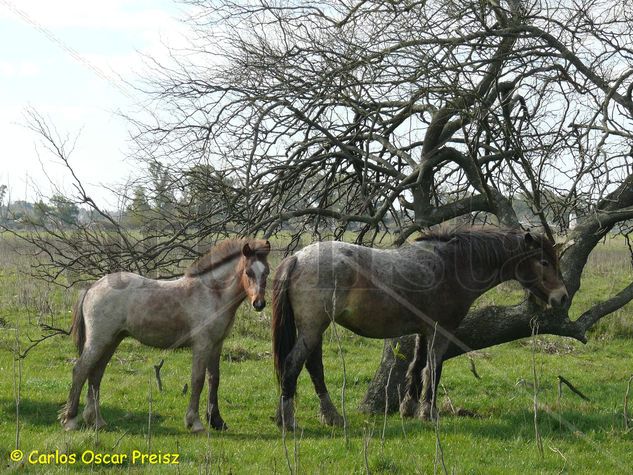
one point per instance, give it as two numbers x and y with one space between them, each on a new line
65 59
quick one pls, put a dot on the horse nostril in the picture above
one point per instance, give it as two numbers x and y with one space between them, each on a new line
563 300
259 305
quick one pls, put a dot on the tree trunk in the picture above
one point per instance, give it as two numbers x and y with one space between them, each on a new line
482 328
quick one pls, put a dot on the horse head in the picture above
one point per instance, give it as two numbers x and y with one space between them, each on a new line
538 270
255 271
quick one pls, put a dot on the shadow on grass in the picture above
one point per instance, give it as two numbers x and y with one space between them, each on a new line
564 425
44 414
502 427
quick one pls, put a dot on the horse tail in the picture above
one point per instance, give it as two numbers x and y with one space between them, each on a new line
284 328
78 327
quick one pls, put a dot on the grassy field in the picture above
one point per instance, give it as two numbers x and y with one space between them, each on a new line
578 436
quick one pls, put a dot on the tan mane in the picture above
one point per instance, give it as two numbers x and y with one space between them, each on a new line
219 254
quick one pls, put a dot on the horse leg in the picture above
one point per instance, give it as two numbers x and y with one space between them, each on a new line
92 412
198 367
436 348
413 388
213 375
84 365
314 364
292 367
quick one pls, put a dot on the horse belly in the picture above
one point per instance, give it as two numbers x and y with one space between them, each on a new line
159 327
373 314
162 340
160 336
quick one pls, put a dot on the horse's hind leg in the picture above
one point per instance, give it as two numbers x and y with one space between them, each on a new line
314 364
413 390
84 365
92 412
291 368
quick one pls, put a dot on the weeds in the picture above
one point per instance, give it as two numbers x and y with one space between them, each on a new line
579 435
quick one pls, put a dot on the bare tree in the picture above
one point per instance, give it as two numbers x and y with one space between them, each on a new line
385 118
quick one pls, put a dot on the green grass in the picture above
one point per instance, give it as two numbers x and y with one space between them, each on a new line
578 436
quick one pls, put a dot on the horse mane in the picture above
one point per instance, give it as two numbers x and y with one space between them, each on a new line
219 254
489 244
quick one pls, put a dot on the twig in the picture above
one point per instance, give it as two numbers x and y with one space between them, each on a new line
53 331
537 434
558 400
366 439
404 433
340 350
95 396
439 452
557 451
448 398
157 368
384 423
473 369
296 445
118 441
207 452
149 416
283 434
626 404
570 386
17 382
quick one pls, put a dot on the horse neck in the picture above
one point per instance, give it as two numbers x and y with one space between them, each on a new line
488 264
224 281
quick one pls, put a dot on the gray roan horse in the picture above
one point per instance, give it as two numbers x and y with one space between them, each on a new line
423 288
196 310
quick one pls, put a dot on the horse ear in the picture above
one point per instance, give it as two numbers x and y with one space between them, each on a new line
247 251
267 246
529 239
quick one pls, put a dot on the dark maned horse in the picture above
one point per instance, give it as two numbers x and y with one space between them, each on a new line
423 288
196 310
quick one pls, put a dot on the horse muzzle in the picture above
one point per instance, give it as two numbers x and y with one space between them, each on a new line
259 304
558 297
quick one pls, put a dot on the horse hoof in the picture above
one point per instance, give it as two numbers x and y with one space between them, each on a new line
428 412
408 407
291 427
217 423
100 424
288 424
331 418
285 416
92 421
196 427
71 424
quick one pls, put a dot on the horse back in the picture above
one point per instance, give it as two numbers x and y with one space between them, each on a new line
162 314
375 293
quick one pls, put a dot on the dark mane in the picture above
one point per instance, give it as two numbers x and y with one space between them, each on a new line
219 254
488 244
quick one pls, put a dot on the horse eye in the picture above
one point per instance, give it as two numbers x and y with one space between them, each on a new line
250 273
544 263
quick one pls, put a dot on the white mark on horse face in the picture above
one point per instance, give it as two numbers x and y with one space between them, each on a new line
257 274
258 269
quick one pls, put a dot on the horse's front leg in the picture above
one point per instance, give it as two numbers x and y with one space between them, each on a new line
432 373
198 367
413 388
213 374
